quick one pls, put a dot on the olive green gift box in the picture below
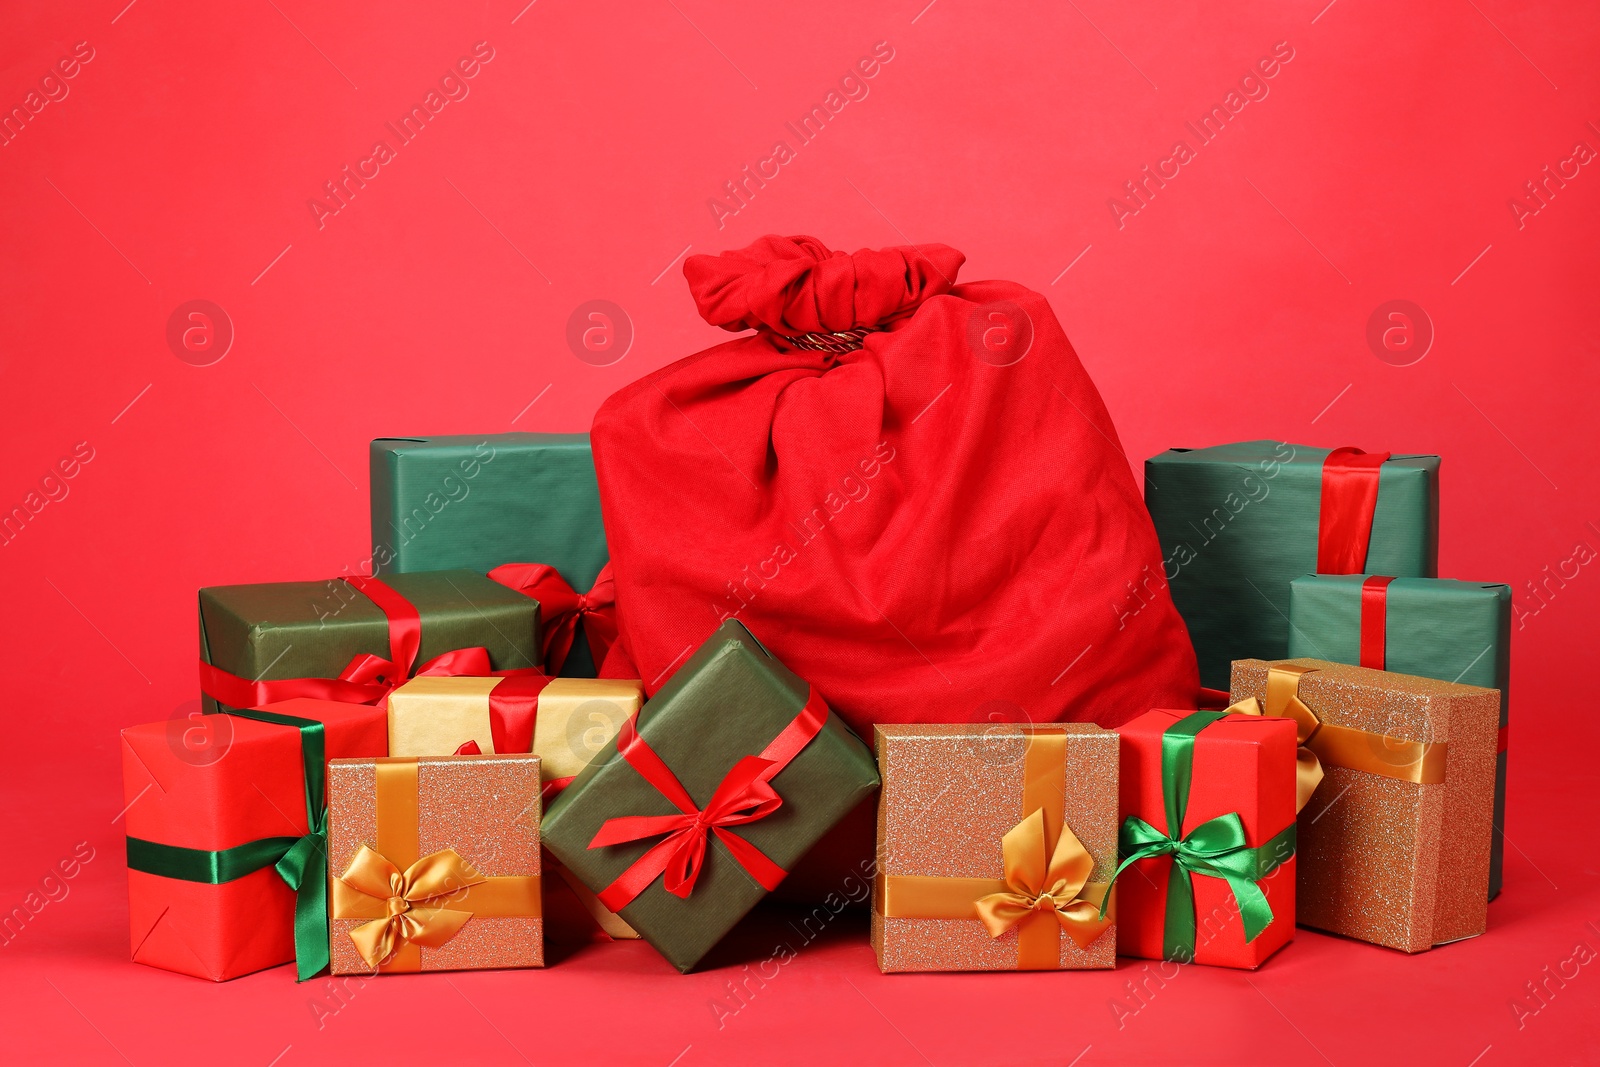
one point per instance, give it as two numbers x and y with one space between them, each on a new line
1238 522
729 700
477 501
281 630
1434 628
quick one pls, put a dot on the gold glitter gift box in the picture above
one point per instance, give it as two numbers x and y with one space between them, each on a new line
433 864
1394 844
995 844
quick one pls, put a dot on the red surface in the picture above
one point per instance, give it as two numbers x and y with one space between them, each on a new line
1243 764
1387 160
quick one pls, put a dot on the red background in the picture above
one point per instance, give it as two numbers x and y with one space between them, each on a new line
179 166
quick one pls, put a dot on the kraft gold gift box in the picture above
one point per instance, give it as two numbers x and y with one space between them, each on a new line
564 720
1394 844
434 864
974 820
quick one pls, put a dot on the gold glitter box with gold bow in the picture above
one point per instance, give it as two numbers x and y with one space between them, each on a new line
1394 843
433 864
995 844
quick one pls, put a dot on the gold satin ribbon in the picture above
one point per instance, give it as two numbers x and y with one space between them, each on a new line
1324 743
430 899
1045 891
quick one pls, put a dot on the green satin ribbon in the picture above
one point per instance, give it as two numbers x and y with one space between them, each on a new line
302 862
1217 847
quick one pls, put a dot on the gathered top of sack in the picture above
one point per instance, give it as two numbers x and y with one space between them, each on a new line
796 285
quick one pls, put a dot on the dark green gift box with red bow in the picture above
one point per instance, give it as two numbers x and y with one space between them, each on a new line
700 806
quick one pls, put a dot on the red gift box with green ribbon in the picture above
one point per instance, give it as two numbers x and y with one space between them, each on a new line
226 832
1207 870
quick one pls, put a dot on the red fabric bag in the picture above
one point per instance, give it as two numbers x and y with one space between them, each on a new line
936 526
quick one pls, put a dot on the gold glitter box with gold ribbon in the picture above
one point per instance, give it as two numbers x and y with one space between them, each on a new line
995 844
433 864
1394 843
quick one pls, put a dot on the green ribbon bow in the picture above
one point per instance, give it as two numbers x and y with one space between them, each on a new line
302 862
1215 848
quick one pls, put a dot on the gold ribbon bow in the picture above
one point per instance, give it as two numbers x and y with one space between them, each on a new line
413 901
1325 744
1041 883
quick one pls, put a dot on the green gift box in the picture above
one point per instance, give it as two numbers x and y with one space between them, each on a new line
1239 522
681 797
289 630
477 501
1430 627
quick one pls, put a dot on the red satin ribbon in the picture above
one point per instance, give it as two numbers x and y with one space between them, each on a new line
1502 741
366 679
513 711
561 608
1349 498
744 796
1374 621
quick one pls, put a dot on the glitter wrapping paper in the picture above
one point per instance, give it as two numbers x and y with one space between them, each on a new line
950 795
1384 860
1237 522
729 700
1434 628
1243 764
573 719
487 809
313 629
216 782
475 502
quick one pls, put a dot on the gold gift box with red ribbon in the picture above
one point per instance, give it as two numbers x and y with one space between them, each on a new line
1394 842
995 846
564 721
434 864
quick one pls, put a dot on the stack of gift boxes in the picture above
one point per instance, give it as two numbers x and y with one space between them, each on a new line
419 770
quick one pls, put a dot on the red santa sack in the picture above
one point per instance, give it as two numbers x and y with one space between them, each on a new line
909 490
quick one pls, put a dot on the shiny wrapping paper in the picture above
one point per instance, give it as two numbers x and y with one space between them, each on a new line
573 718
217 782
729 700
1435 628
484 808
1242 764
1238 522
951 794
313 629
475 502
1382 859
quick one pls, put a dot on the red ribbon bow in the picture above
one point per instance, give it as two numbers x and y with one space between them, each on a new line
561 608
366 679
744 795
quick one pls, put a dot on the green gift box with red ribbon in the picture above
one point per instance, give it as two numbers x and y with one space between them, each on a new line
702 803
1238 522
1439 628
356 638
